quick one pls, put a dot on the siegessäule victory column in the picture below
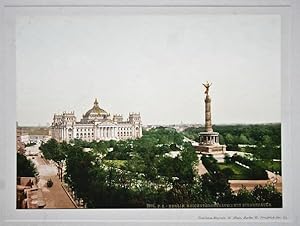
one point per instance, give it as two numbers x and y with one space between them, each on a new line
209 140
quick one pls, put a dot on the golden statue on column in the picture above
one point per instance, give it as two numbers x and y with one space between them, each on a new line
207 85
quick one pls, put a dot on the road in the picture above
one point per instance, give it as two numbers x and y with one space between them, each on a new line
55 197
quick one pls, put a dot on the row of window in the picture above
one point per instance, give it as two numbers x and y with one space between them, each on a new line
91 129
125 134
69 119
85 129
92 134
125 128
84 134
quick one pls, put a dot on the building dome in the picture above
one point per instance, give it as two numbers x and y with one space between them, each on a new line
96 111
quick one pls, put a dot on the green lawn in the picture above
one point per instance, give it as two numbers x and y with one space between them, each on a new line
115 163
240 173
270 165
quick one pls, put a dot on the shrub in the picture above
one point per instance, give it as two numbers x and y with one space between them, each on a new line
227 172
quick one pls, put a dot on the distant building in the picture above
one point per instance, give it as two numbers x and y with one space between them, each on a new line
32 134
96 124
39 138
22 136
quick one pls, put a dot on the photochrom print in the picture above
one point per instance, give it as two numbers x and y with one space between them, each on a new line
136 113
151 110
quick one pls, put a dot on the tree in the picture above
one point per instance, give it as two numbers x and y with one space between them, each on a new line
243 139
25 167
229 139
244 196
217 186
79 164
221 139
227 158
267 194
55 151
228 172
149 174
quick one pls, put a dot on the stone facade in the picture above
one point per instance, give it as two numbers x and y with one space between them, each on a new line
96 124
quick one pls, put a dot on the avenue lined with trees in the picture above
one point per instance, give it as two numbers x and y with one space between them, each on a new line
157 170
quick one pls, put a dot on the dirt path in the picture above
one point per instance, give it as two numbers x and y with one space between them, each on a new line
201 169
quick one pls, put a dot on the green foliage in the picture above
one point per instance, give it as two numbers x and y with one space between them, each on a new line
273 166
252 134
163 135
244 196
231 170
79 163
228 172
264 139
256 172
267 194
52 150
210 163
239 172
227 158
25 167
157 169
216 185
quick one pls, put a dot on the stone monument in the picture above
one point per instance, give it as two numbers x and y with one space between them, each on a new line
209 140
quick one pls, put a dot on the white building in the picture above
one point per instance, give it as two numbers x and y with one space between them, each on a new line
22 136
96 124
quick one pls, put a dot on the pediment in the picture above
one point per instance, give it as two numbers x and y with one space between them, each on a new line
106 123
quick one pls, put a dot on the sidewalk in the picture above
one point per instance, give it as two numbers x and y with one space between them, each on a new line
201 169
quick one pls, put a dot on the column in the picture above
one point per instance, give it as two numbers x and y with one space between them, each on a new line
64 132
208 125
97 133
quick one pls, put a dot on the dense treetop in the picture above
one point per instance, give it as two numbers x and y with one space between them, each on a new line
157 169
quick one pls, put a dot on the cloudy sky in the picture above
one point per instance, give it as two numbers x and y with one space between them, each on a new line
154 64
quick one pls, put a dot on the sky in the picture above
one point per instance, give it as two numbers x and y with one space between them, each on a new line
154 64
